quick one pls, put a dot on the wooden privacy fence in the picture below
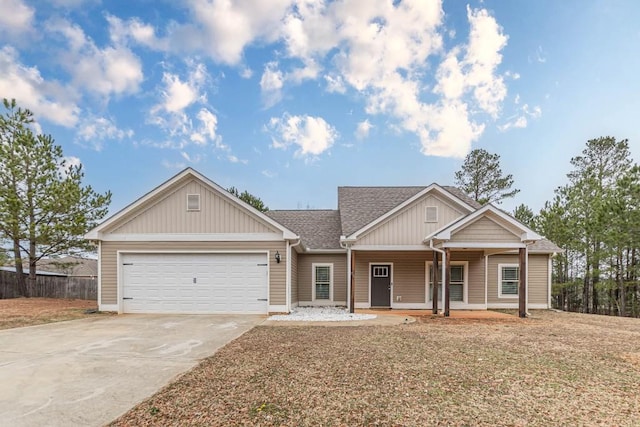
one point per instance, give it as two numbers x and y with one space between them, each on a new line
51 287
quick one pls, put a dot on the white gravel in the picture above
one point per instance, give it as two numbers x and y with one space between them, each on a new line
320 314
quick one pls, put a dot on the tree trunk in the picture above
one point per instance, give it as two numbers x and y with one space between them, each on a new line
21 281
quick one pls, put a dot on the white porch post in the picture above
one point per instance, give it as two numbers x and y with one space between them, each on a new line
349 278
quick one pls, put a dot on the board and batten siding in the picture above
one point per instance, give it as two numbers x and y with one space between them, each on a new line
484 230
537 281
305 275
294 276
409 226
109 268
168 214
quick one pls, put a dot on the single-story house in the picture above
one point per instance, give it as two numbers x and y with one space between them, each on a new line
189 246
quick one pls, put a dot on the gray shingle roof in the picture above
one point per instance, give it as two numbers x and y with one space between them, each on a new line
318 229
462 196
359 206
545 245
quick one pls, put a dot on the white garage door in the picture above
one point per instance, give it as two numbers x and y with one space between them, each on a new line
194 283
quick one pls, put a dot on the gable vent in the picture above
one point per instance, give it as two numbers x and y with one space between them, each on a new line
193 202
431 214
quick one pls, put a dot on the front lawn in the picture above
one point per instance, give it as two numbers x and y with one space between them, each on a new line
553 369
18 312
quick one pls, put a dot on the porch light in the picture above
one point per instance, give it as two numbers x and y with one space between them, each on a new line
278 257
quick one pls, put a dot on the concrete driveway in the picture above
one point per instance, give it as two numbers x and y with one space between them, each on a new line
88 372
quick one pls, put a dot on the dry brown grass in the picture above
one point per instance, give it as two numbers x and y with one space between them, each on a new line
552 369
18 312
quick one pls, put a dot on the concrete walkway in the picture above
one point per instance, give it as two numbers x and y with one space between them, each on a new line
88 372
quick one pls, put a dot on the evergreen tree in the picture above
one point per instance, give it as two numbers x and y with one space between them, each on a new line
482 179
44 208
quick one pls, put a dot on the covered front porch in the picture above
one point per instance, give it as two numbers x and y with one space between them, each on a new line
403 279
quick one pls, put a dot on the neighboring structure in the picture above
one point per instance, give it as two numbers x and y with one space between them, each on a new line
189 246
71 266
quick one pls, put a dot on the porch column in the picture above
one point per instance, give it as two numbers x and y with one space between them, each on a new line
522 291
352 279
447 279
434 279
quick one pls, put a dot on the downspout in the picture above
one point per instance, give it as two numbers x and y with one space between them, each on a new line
288 278
444 257
526 295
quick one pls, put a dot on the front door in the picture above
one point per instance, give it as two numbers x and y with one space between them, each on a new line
380 285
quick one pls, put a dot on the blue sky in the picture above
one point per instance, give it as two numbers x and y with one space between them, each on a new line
289 99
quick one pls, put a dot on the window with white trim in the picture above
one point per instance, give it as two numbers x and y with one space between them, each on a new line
508 280
457 282
193 202
431 214
322 282
381 271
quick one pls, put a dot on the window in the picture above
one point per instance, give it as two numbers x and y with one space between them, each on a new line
431 214
322 282
381 271
193 202
508 280
457 283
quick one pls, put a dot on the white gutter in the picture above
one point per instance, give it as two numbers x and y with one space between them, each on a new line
288 272
444 270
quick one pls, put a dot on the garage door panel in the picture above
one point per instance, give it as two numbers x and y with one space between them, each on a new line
195 283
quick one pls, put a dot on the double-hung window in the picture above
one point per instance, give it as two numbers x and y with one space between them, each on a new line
508 280
457 281
322 282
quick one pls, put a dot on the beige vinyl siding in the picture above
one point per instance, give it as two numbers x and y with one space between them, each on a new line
408 227
277 272
537 280
305 274
294 276
168 214
409 274
484 230
475 275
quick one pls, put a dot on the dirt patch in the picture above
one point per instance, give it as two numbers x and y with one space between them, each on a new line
554 369
18 312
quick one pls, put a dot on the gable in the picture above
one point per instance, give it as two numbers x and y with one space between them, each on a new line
484 230
167 213
409 226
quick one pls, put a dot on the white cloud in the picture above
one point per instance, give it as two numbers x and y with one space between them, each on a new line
269 174
538 56
173 165
363 129
95 130
386 52
271 84
177 95
520 120
111 70
235 159
335 83
136 30
312 135
15 17
47 99
246 73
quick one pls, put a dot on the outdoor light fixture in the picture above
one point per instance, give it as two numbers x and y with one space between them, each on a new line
278 257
